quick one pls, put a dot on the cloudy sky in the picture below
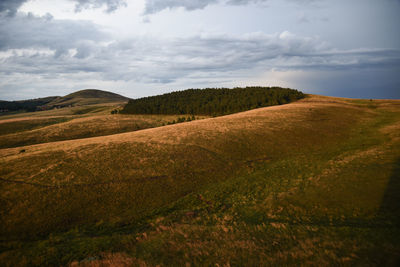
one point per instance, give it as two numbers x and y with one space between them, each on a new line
348 48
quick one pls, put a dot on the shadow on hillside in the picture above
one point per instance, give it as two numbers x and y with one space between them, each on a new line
390 207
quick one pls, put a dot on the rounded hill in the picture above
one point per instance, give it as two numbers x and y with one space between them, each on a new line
95 93
87 97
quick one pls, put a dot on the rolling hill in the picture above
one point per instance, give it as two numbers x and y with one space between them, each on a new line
314 182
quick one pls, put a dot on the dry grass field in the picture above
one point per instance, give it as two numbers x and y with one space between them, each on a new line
315 182
24 129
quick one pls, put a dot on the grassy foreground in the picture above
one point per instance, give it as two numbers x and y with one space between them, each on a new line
316 182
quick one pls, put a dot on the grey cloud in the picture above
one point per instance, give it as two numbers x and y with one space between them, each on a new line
21 32
154 6
245 2
10 7
201 58
111 5
285 51
164 61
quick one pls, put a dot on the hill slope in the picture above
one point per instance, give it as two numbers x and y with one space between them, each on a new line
87 121
312 182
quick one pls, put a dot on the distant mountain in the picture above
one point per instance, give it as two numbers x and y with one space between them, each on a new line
86 97
27 105
79 98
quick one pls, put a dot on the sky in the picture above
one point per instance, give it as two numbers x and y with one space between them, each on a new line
137 48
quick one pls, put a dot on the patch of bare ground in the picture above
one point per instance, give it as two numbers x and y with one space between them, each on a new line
110 260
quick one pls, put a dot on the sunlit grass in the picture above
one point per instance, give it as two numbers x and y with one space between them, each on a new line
302 184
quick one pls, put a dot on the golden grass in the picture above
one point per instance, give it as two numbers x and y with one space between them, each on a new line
110 260
74 127
104 109
269 118
301 175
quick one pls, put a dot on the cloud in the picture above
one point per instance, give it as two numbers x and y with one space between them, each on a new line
245 2
28 31
200 60
154 6
10 7
111 5
152 60
44 51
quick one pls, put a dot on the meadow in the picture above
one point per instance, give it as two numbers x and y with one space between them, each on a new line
23 129
314 182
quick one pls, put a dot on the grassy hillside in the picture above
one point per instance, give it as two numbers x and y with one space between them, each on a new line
24 129
98 109
312 182
212 101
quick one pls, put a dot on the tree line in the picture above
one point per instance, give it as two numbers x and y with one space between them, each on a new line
212 101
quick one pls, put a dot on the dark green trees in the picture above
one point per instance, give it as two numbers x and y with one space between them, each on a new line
211 101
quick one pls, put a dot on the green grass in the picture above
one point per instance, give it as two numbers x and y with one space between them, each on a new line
320 190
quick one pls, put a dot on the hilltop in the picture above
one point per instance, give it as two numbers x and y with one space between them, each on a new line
79 98
313 182
86 97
